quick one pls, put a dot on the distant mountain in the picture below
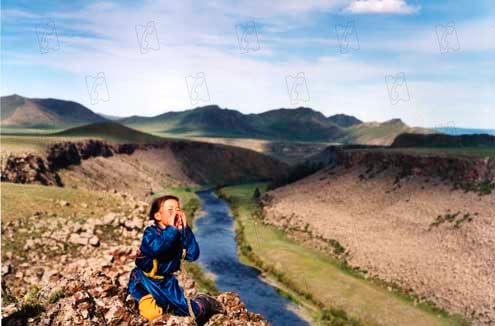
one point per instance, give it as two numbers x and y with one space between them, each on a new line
376 133
284 124
20 111
299 124
443 140
344 120
304 124
212 120
464 131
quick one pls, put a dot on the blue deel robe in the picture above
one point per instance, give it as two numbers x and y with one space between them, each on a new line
165 245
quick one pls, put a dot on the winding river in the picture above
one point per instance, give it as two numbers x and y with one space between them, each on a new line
218 255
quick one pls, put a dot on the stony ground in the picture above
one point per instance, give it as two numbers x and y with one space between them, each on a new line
416 232
71 270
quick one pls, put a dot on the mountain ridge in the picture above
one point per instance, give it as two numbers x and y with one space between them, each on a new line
288 124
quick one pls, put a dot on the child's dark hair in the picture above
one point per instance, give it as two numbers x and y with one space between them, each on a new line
157 203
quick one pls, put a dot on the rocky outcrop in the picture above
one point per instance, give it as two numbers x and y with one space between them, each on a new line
64 154
127 148
77 274
98 298
459 170
28 168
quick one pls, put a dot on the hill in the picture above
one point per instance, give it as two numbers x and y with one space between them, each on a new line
442 140
211 121
424 224
303 124
284 124
18 111
110 131
375 133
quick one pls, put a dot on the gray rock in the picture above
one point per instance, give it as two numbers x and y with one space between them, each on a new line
77 239
94 241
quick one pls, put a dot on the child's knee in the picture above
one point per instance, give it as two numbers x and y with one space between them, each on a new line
148 308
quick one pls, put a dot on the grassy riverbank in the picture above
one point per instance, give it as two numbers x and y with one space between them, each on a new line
342 298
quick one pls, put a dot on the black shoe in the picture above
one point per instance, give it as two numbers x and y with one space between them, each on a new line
212 305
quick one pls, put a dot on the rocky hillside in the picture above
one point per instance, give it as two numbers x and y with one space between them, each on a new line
460 172
77 274
423 223
142 168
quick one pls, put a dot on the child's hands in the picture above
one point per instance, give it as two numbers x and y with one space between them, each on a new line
180 221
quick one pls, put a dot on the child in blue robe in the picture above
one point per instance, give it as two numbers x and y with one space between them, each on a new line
152 282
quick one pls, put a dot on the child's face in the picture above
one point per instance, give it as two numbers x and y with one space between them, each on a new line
167 212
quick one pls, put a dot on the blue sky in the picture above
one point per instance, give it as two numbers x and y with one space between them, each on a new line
430 63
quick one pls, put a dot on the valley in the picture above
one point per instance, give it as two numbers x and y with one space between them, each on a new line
357 223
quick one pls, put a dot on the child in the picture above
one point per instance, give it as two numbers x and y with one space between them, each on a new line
151 282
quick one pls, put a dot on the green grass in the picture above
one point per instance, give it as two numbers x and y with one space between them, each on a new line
320 278
13 130
35 144
23 200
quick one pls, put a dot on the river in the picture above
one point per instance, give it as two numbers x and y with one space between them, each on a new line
218 255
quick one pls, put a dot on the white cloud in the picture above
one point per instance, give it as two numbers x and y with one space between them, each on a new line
381 7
